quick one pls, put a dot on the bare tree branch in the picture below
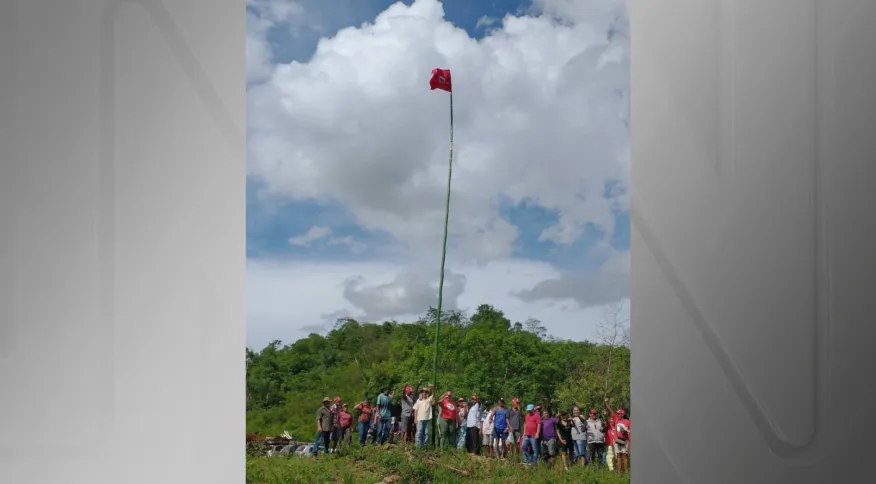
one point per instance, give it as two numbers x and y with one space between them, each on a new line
614 332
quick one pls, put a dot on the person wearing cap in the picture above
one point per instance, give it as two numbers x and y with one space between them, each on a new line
611 434
447 421
323 427
364 422
531 431
406 424
515 417
595 431
499 422
473 426
622 440
423 415
462 431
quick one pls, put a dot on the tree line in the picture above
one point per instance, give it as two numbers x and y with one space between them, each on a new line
483 353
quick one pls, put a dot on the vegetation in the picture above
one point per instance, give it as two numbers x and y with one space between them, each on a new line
484 353
372 464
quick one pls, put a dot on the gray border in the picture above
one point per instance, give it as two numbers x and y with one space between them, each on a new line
169 368
684 372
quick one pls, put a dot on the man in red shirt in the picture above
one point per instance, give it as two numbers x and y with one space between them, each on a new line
619 436
447 421
531 431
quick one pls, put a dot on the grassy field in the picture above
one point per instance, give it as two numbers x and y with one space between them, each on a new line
373 465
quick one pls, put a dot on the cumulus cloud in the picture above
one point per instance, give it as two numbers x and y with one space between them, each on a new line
258 52
313 234
540 116
408 293
608 285
290 299
317 233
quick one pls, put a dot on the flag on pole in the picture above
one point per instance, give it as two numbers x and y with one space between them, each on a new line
441 80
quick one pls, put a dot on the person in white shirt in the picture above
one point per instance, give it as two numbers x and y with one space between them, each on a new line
487 429
423 414
473 427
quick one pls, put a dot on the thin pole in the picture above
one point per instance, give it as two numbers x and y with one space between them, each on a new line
443 259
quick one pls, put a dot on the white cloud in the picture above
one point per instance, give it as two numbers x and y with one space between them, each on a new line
316 233
258 52
539 115
288 299
354 245
313 234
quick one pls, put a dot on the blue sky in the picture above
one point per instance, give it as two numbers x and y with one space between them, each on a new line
366 245
333 15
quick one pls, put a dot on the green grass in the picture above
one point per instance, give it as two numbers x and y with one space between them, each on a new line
372 464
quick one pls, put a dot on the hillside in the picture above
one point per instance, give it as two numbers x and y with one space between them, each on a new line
484 353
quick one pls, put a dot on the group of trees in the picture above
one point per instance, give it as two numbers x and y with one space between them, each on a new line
484 353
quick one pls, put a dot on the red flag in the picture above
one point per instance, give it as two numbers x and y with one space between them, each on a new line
441 80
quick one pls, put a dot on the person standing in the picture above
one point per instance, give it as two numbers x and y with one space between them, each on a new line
473 426
336 424
447 421
345 423
622 441
364 422
463 417
611 419
423 416
579 436
384 413
323 427
531 431
595 430
499 423
408 399
515 418
549 436
487 428
564 436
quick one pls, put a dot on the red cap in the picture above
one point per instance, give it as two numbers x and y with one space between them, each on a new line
621 412
515 400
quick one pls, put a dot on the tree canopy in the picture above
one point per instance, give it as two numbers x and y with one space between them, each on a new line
484 353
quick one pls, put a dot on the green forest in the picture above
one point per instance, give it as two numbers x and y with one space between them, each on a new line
483 353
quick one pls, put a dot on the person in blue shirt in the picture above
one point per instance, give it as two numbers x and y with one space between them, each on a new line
384 414
500 428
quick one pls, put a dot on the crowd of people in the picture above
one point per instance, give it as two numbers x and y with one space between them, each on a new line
497 430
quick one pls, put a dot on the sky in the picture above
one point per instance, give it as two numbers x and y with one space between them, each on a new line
347 152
